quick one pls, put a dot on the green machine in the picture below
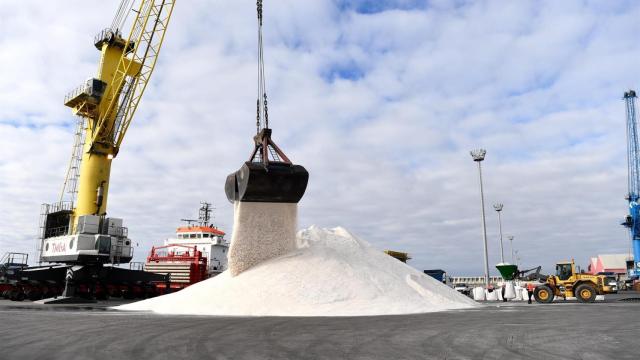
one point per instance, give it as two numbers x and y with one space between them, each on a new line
508 271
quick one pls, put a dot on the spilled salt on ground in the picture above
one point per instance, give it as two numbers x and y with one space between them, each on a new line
331 273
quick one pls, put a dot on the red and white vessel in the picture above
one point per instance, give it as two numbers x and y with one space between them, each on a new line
205 238
198 251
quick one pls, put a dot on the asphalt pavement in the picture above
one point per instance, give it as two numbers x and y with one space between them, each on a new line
604 330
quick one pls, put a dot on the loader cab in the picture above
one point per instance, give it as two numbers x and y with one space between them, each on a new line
564 270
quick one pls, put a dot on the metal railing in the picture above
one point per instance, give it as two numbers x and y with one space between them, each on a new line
476 280
57 206
12 258
136 265
118 251
58 231
82 89
47 209
120 231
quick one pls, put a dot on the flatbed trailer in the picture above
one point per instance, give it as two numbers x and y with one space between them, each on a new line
86 282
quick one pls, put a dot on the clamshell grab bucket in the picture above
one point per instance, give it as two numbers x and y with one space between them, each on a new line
269 175
276 182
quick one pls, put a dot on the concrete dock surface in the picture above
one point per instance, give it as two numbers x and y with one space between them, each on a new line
603 330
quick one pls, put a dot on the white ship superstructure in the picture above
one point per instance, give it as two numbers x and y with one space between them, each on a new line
207 239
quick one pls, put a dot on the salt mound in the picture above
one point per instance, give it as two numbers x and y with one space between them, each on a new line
331 273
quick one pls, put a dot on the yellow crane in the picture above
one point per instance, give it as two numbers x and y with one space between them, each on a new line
79 231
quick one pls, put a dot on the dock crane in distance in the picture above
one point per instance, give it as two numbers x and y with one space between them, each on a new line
632 220
79 236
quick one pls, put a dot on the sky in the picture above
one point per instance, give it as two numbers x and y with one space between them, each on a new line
381 101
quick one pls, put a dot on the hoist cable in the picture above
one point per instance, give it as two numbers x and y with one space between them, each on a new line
126 15
118 16
122 14
262 119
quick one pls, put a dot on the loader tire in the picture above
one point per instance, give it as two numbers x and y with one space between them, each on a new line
586 293
543 294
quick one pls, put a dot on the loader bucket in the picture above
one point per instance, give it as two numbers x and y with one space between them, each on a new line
508 271
276 182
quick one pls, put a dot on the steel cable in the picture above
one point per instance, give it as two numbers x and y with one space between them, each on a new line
262 109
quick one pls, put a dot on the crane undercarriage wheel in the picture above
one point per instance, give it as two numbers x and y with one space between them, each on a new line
34 294
586 293
127 293
102 294
114 291
17 295
543 294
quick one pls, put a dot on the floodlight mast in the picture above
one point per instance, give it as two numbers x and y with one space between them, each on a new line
478 156
510 237
498 207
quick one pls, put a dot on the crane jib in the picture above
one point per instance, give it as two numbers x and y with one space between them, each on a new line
109 102
136 64
633 180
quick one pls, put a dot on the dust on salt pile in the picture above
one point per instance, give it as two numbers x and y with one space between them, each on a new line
331 273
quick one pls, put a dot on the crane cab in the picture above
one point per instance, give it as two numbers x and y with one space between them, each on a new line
96 239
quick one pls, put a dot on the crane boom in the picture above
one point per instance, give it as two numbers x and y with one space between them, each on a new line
632 220
134 70
125 69
80 232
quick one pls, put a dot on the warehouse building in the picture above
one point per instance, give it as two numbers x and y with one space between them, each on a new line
609 263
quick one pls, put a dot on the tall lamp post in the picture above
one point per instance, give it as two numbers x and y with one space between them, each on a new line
478 156
498 207
510 237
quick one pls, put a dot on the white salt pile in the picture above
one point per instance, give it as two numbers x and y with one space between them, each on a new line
261 231
330 273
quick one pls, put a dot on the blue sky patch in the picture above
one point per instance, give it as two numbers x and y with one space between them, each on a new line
377 6
349 71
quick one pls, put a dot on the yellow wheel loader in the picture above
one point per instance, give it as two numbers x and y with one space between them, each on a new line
567 283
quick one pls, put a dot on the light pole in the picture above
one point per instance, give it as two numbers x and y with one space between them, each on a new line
498 208
510 237
478 156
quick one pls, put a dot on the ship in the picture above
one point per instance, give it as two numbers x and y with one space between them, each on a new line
205 238
198 251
